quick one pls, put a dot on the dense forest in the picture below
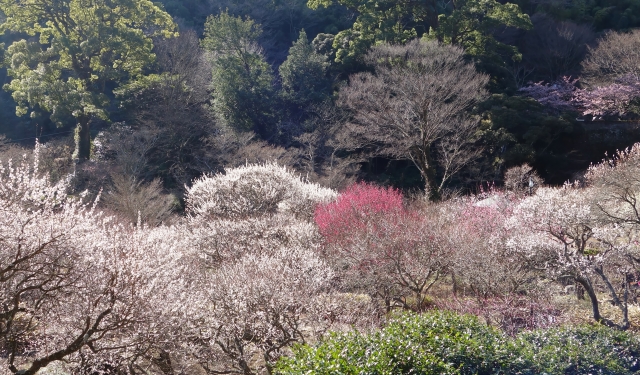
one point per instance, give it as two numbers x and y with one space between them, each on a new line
251 81
319 187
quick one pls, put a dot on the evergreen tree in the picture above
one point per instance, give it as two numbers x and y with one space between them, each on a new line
303 74
82 48
243 92
471 25
390 21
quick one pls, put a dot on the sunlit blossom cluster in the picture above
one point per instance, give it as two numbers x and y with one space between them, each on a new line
254 190
246 273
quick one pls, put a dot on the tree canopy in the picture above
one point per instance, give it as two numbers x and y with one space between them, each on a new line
388 21
415 108
472 22
469 23
303 73
82 48
242 80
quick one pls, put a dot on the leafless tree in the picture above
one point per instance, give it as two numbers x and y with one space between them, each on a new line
617 55
320 147
135 200
415 106
315 154
129 190
229 149
555 48
170 109
522 180
520 73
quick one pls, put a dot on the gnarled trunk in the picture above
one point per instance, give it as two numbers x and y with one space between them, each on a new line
588 287
83 139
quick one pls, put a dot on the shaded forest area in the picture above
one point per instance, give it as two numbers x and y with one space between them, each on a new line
252 81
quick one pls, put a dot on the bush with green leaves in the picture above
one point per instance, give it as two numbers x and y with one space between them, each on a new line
441 342
579 350
433 343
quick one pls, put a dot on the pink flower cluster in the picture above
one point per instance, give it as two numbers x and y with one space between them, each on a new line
605 101
377 246
354 207
557 95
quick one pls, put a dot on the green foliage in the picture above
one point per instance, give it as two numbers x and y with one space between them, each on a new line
433 343
580 350
468 23
229 35
441 342
282 20
390 21
82 46
518 130
303 74
242 83
601 14
472 23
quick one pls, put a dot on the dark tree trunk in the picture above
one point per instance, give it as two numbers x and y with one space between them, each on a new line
579 291
164 363
586 284
423 161
83 139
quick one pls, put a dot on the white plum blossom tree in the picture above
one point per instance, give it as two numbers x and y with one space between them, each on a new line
75 286
560 228
260 280
255 190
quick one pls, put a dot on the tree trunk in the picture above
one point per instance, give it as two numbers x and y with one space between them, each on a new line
454 281
622 304
625 309
579 291
586 284
423 161
614 295
83 139
163 361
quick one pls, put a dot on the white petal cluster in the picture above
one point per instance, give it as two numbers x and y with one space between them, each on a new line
231 286
255 190
258 272
73 283
214 290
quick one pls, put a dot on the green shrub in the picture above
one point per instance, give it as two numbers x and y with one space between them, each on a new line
433 343
580 350
445 343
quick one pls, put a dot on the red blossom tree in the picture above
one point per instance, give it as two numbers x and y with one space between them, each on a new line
379 247
353 208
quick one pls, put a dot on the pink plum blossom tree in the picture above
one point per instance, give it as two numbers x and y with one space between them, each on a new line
557 95
379 247
616 100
